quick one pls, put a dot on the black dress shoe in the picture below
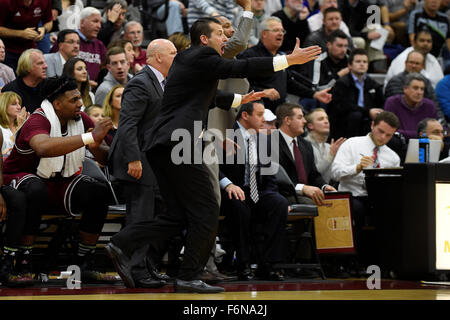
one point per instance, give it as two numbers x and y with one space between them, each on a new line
121 263
208 277
195 286
153 271
245 275
223 277
149 283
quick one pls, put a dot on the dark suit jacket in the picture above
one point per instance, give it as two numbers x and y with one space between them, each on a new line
141 102
234 168
286 160
191 90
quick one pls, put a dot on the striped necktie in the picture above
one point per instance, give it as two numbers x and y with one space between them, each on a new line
252 160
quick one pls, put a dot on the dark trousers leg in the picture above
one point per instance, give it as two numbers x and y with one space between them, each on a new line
16 206
191 204
36 195
140 204
272 211
238 219
90 197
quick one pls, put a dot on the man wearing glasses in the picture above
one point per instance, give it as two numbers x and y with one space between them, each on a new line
276 86
118 66
68 47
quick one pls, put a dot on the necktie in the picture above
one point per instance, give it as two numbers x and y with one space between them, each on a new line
163 83
301 173
252 160
376 162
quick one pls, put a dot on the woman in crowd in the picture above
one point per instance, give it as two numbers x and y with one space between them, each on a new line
112 105
12 116
76 68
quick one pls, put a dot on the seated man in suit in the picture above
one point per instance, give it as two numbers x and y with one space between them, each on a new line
251 196
68 47
296 156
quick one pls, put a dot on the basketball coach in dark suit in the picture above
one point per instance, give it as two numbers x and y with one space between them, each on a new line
191 91
251 197
141 101
296 156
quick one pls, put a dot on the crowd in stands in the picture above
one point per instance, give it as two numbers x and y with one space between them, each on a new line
61 59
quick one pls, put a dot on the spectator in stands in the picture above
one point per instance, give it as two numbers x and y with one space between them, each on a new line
113 22
134 32
331 65
31 75
423 43
12 215
296 156
356 16
432 129
355 154
437 22
76 68
249 195
95 112
202 8
12 116
68 47
112 105
18 26
357 99
51 170
276 86
128 48
411 107
6 72
318 131
293 18
315 21
118 66
180 41
332 19
414 63
399 11
92 50
442 93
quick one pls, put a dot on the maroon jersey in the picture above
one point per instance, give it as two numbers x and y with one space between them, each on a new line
23 160
15 15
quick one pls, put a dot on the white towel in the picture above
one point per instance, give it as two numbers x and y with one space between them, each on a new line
74 160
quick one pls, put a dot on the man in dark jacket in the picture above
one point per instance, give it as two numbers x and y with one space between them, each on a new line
357 99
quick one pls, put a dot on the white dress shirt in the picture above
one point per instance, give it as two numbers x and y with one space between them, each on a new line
343 168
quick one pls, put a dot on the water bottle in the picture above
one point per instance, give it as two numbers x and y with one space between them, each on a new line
424 149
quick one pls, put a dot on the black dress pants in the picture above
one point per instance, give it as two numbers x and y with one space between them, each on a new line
270 212
191 204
